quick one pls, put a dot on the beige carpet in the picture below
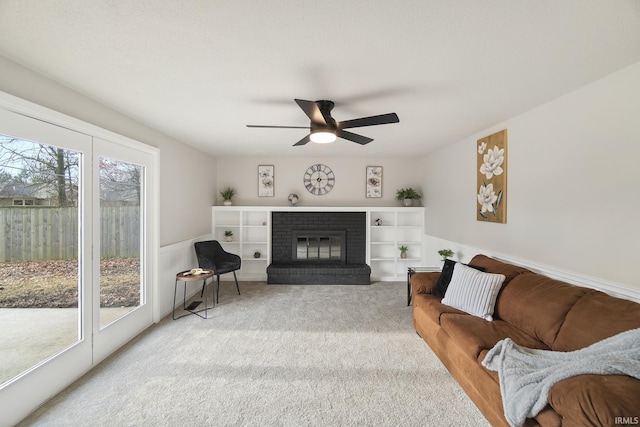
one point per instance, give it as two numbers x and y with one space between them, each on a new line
277 355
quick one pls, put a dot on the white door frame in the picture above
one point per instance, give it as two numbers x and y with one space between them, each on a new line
26 392
113 336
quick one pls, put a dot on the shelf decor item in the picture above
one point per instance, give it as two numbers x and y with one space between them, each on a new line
227 195
228 235
445 253
257 254
374 181
492 178
403 251
407 196
266 181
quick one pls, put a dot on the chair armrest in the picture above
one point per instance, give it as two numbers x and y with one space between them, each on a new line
236 258
423 283
228 257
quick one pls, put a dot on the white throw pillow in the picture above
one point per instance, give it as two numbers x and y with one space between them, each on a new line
473 291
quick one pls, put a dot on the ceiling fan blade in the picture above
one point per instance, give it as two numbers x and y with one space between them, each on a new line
303 140
359 139
381 119
278 127
312 111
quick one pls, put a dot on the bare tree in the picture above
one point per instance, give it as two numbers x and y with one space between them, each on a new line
119 182
48 169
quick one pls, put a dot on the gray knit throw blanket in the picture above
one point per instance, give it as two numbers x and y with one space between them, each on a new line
526 375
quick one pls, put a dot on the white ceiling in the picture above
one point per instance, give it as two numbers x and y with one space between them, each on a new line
201 70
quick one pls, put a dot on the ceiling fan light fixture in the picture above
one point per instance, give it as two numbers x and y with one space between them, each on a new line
322 137
324 129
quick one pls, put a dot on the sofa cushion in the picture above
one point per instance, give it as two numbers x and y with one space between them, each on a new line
537 305
494 266
423 282
443 280
595 400
445 277
473 291
473 334
432 307
580 329
547 418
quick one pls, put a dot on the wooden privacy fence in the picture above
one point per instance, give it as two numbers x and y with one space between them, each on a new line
51 233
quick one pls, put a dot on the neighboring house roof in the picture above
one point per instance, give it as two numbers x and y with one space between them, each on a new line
21 190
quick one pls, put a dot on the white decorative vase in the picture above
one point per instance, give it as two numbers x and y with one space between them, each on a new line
403 255
227 203
408 203
228 238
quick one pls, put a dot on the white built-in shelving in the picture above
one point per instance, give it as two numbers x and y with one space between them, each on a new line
390 228
251 227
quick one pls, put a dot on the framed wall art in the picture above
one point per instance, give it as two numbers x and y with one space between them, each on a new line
374 181
492 178
266 180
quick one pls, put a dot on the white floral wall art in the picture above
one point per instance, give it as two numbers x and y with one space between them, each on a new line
492 178
374 181
265 181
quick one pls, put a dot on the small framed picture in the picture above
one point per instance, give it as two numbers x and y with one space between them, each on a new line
266 181
374 181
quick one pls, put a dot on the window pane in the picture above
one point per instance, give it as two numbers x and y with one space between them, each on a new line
120 236
39 270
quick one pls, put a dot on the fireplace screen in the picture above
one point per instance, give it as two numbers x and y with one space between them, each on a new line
319 246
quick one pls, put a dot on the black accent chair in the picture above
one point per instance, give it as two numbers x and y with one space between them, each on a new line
211 256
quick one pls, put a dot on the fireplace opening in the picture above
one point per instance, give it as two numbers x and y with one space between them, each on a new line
318 246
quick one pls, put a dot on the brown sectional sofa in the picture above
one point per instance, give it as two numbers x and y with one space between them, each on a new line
537 312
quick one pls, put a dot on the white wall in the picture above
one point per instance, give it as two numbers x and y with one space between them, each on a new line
242 174
187 176
573 184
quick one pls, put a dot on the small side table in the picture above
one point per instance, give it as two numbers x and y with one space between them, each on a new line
185 277
410 272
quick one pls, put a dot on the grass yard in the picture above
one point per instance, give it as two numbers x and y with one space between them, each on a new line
54 284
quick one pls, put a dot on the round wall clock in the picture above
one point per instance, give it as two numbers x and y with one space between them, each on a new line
319 179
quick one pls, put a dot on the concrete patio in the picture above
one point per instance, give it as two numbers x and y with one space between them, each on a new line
30 335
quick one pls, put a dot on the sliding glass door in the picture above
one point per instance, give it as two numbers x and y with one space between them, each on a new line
40 250
46 333
77 253
122 303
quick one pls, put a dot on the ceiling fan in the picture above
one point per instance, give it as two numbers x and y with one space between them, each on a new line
325 129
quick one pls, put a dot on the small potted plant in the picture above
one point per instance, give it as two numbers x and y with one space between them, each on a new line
228 235
445 253
227 195
407 196
403 251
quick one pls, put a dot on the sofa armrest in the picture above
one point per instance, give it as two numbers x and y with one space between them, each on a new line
423 283
596 400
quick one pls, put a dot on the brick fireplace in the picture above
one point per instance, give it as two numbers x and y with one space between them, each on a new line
318 248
